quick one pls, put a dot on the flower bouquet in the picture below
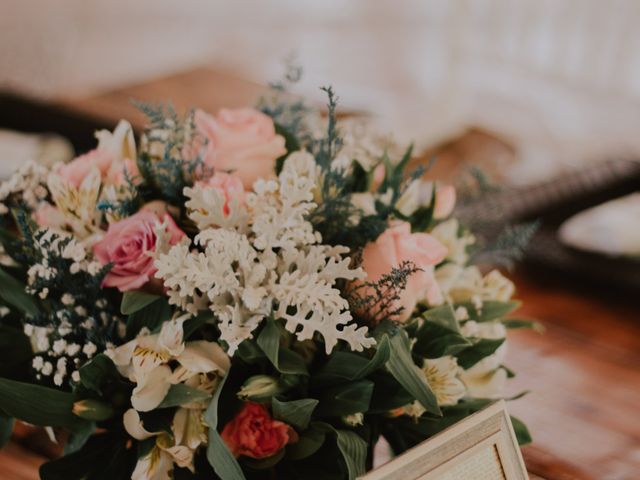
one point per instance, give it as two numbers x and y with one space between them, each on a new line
264 293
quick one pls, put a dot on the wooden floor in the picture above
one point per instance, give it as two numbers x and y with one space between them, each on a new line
583 372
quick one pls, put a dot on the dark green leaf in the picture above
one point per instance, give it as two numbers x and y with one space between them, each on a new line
218 454
135 300
179 394
434 340
352 447
263 463
151 316
348 367
38 405
443 316
309 443
284 360
15 348
480 349
13 293
193 324
296 412
522 432
408 375
99 371
77 439
346 399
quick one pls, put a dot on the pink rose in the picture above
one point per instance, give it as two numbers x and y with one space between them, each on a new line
242 140
445 201
129 245
229 185
396 245
253 433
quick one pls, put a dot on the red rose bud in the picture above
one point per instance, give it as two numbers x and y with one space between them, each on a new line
253 433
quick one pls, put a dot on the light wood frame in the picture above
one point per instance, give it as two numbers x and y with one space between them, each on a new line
486 436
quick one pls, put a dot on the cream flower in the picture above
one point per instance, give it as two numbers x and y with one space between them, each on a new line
496 286
486 379
448 233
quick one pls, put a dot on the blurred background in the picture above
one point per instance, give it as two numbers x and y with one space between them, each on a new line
559 80
544 95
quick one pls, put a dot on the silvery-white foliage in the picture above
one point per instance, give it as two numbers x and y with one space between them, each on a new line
263 258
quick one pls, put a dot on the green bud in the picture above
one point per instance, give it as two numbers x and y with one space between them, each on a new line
258 388
93 410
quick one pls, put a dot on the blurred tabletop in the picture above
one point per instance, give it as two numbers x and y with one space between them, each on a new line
583 372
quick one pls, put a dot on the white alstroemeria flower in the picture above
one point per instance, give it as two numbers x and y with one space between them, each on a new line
120 143
156 465
496 286
448 233
459 284
151 389
442 376
486 379
144 361
134 426
411 198
188 428
77 204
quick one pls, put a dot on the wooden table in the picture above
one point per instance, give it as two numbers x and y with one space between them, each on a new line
584 372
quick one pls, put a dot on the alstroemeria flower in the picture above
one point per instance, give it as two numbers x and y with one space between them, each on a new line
145 359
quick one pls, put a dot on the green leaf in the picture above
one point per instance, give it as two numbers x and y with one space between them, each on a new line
433 340
522 432
98 372
103 457
443 316
346 399
93 410
520 323
150 316
179 394
296 412
284 360
352 447
308 443
480 349
38 405
193 324
6 429
134 300
13 292
491 310
348 367
15 348
407 373
220 457
77 439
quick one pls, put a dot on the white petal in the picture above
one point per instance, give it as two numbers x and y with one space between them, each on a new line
204 357
134 427
151 389
157 465
171 336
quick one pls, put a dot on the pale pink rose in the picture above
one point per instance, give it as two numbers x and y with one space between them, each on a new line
77 169
243 140
396 245
112 170
229 185
445 201
129 245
